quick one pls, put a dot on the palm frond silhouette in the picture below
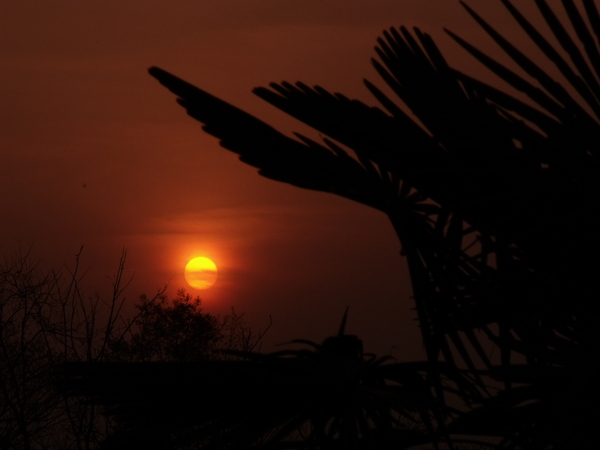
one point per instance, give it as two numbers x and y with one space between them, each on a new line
494 196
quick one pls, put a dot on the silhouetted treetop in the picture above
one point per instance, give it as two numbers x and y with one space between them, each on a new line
171 330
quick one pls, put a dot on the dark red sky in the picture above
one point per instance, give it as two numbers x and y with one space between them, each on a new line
95 152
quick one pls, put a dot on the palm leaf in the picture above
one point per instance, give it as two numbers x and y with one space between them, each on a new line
277 156
494 198
566 104
588 87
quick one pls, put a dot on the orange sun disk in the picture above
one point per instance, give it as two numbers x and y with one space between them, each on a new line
201 273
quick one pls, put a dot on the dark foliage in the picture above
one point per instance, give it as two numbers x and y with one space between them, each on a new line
171 330
48 319
325 396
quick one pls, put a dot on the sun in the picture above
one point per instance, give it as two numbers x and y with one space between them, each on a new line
201 273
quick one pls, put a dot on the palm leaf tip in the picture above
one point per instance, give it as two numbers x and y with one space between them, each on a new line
342 329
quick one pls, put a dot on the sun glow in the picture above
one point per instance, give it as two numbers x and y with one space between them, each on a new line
201 273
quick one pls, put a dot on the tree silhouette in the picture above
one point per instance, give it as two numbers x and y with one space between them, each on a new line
493 195
171 330
48 318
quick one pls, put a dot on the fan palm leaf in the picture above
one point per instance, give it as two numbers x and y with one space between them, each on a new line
384 160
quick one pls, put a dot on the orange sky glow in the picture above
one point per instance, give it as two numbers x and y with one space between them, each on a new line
95 152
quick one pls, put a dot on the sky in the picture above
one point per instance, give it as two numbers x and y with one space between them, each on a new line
95 153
